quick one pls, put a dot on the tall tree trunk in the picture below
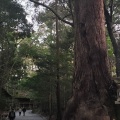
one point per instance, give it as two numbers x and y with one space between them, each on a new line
118 64
59 114
91 77
50 101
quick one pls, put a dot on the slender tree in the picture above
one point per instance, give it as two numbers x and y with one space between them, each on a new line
112 19
59 117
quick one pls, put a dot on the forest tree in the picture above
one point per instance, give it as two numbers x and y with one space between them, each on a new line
91 76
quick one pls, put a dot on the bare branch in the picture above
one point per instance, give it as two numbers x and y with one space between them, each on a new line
42 4
71 11
66 16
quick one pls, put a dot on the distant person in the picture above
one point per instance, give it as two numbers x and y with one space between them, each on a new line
20 110
24 110
11 115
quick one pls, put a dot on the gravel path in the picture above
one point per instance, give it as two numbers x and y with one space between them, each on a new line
29 116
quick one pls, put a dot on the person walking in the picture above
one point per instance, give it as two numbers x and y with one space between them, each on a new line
20 110
11 115
24 110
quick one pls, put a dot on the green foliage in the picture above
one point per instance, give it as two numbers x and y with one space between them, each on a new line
14 27
109 47
43 82
12 16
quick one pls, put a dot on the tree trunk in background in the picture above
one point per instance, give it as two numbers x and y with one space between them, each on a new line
91 77
0 90
115 44
50 101
118 64
59 114
64 97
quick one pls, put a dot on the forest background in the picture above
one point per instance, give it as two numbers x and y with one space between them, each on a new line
42 62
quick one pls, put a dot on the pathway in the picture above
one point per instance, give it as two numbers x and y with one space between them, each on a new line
29 116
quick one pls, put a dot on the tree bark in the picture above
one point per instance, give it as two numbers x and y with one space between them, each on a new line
59 114
91 77
118 64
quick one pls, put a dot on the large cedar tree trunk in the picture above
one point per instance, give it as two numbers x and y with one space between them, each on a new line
91 77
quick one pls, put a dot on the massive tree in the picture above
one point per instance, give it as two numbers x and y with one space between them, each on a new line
91 77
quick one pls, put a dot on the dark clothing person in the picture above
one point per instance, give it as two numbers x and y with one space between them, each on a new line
20 110
19 113
11 115
24 110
